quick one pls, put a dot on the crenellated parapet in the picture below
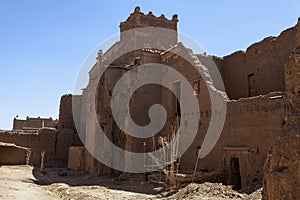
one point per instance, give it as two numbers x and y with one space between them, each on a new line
138 19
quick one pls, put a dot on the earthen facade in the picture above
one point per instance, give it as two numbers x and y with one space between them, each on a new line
43 134
34 123
255 87
261 92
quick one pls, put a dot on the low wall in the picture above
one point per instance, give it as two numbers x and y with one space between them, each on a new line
10 154
37 140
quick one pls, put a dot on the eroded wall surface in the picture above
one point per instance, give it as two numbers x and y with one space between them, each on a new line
260 69
282 167
11 154
252 124
250 130
65 112
37 140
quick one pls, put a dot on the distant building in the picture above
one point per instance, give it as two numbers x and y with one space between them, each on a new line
35 123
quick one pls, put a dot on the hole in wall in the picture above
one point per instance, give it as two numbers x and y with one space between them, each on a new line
197 150
255 180
281 169
283 122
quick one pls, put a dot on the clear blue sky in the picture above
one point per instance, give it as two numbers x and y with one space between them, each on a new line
43 43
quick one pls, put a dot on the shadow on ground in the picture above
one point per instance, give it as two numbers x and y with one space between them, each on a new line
74 178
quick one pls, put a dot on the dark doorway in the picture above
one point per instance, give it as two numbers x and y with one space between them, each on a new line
235 176
251 85
176 89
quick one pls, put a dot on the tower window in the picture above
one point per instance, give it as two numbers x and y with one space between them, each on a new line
176 89
196 87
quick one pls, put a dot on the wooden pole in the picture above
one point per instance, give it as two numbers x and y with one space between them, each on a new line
145 170
42 161
196 166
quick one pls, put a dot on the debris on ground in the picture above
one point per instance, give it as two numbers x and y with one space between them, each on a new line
24 182
212 191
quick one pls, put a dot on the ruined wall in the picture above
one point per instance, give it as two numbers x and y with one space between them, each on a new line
93 140
260 69
56 141
282 168
255 124
252 124
76 159
65 113
188 159
242 130
250 130
11 154
38 141
68 133
138 106
65 139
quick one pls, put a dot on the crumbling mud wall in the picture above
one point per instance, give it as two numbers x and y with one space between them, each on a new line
36 140
65 139
251 128
11 154
260 69
45 134
183 64
65 112
67 135
252 124
139 104
282 168
93 139
76 159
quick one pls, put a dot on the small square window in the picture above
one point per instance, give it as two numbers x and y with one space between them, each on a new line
196 87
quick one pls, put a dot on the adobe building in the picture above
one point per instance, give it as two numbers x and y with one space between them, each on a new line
54 137
255 93
261 94
32 123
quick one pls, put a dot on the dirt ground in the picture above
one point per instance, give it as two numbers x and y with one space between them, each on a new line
24 182
17 182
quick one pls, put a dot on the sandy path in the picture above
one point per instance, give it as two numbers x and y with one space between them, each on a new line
17 183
